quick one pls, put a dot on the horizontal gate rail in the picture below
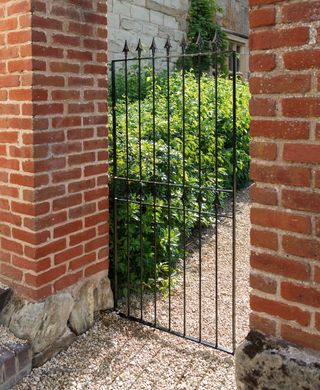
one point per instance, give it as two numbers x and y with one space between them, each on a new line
146 191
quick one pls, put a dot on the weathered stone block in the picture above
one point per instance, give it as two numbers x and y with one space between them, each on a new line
268 363
52 324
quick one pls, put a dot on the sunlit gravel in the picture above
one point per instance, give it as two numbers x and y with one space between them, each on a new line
119 354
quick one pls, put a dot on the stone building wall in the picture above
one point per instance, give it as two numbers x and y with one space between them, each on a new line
145 19
234 15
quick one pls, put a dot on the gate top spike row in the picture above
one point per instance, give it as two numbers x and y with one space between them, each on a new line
153 46
216 44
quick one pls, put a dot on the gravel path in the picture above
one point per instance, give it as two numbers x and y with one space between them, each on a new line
118 354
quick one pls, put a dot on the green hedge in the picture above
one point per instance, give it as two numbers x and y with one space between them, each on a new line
178 231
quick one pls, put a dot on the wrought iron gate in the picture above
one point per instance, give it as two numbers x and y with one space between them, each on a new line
159 210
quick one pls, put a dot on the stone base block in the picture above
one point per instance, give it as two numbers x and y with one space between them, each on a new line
52 324
15 360
268 363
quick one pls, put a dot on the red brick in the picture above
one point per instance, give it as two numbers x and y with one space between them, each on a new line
93 170
96 219
79 55
42 194
66 148
66 12
300 294
65 95
66 202
80 186
79 159
279 309
277 265
301 12
80 28
281 220
264 2
67 229
96 268
277 174
318 131
83 210
16 37
263 283
273 39
301 107
11 245
30 209
264 239
31 265
301 200
64 67
8 24
302 59
95 194
318 226
264 325
31 237
43 251
82 236
44 222
262 17
82 261
66 122
263 150
45 277
70 253
95 44
263 195
304 153
48 81
46 23
301 247
63 176
317 322
95 244
39 220
262 107
292 83
10 272
67 281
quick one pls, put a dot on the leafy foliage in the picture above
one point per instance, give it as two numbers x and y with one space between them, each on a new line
161 157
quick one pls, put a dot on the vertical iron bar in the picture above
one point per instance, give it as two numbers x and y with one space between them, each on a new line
153 50
183 45
199 43
234 145
168 47
114 194
139 49
127 181
216 203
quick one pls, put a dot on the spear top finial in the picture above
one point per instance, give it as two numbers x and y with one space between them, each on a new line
216 41
125 48
168 45
199 42
139 48
183 44
153 46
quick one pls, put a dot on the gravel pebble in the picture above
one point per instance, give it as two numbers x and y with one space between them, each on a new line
120 354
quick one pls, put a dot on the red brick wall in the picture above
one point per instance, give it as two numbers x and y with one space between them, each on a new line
285 215
53 146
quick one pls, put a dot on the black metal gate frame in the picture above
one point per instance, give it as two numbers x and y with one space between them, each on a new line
201 188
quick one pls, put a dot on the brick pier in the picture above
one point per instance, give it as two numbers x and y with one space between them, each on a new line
285 214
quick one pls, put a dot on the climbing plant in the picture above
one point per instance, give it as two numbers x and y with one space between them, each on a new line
201 20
